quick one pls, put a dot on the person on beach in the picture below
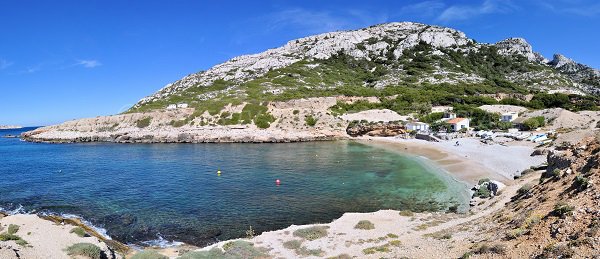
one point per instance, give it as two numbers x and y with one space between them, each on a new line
457 144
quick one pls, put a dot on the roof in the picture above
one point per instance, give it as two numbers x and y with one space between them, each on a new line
455 120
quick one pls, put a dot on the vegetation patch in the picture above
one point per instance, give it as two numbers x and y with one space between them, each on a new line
79 231
243 249
581 183
563 209
382 248
88 250
12 229
310 120
311 233
142 123
365 225
211 254
149 254
407 213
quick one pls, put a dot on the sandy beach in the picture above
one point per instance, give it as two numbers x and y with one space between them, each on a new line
471 160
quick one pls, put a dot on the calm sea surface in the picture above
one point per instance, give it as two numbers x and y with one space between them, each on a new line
142 192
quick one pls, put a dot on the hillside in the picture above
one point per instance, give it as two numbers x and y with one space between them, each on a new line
404 67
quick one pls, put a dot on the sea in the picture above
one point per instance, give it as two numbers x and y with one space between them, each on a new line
199 194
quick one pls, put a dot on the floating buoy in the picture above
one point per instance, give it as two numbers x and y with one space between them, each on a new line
278 182
219 172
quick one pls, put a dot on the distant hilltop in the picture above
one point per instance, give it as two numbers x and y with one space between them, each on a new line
10 127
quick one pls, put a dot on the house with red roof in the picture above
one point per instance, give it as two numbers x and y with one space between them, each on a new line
458 123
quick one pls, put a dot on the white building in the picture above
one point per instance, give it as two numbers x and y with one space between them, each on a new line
459 123
509 117
417 126
182 105
171 106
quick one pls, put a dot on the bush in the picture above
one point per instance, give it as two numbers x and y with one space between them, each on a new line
22 242
563 209
407 213
581 182
494 249
145 122
264 121
482 192
242 249
534 123
7 237
292 244
79 231
310 120
296 112
364 224
88 250
311 233
212 253
482 181
12 229
525 189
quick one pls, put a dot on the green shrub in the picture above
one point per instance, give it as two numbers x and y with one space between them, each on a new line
211 254
22 242
311 233
7 237
310 120
482 192
79 231
145 122
12 229
581 182
534 123
292 244
555 173
563 209
87 250
296 112
406 213
365 225
264 121
243 249
525 189
482 181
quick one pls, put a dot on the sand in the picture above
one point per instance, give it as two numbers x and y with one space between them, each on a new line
46 239
471 160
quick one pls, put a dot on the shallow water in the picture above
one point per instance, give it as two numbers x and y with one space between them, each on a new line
141 192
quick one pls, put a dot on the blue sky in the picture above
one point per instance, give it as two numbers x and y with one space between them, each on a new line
61 60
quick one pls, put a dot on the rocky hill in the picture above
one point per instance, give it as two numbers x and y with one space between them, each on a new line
405 67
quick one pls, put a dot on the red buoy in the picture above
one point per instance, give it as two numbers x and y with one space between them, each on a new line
278 182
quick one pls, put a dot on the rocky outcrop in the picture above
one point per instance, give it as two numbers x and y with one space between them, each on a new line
375 129
519 46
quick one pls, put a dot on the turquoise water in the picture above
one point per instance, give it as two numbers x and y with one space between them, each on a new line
140 192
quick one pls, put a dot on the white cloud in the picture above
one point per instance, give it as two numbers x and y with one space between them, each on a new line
426 8
310 21
88 63
4 64
465 12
